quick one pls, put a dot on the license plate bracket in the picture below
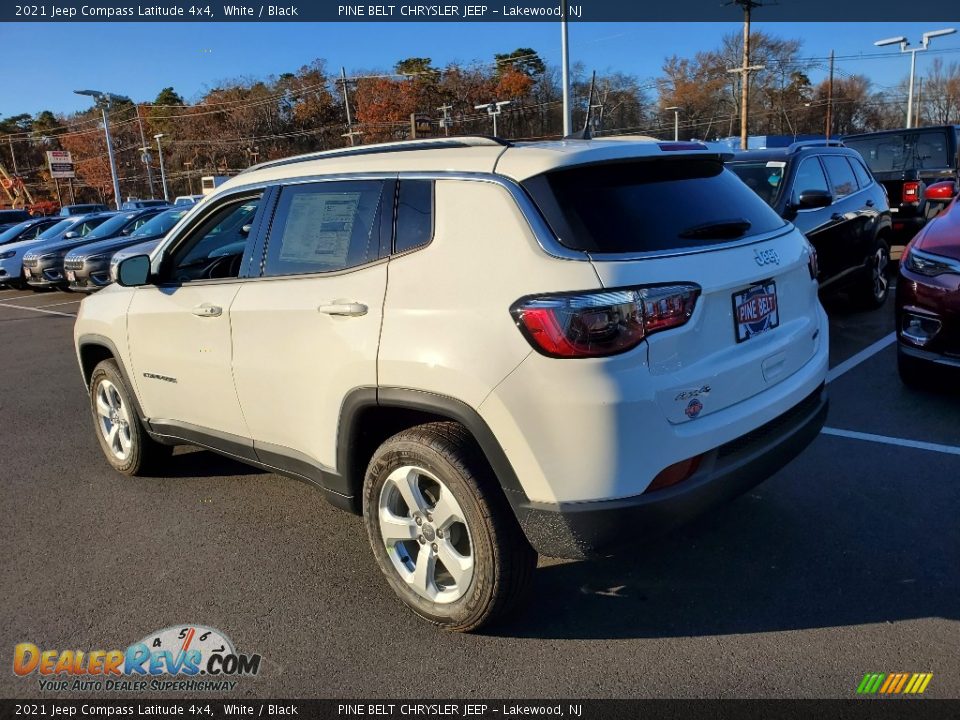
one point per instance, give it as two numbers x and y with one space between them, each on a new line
755 310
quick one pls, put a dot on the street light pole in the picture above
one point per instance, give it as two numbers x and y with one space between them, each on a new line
493 110
676 121
905 48
565 72
103 101
163 172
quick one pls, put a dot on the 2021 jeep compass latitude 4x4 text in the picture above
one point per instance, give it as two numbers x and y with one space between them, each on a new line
487 349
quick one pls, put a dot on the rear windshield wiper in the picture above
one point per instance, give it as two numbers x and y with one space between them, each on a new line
719 229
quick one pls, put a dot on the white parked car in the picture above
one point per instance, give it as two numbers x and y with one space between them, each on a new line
489 350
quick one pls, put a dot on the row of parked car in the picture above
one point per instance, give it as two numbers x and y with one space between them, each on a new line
73 251
855 201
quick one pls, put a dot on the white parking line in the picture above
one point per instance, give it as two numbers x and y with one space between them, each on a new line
68 302
862 356
39 310
900 442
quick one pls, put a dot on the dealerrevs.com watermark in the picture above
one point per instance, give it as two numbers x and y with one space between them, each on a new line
182 658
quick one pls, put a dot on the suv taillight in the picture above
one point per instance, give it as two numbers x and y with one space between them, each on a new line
604 322
911 191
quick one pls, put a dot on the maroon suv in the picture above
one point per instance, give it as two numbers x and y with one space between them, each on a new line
928 292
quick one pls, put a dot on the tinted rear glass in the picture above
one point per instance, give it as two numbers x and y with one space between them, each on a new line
909 150
649 206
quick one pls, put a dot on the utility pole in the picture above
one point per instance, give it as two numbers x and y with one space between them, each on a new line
447 121
830 100
146 153
493 110
746 68
676 121
346 103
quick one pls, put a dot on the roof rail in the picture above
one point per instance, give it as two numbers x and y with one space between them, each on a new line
798 146
399 146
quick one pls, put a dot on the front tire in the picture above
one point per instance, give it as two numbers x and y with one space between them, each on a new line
441 531
123 439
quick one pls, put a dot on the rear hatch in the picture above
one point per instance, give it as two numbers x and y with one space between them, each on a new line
686 221
906 161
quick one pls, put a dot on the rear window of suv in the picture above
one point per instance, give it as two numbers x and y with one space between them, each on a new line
649 205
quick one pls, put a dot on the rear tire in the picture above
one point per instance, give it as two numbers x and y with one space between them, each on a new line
876 285
123 439
430 500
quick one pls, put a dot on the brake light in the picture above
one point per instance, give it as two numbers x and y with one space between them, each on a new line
911 191
604 322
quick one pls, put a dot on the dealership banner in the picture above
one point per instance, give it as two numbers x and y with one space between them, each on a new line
201 707
477 11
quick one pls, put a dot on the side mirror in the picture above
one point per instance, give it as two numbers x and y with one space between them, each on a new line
245 230
134 271
814 199
71 235
941 192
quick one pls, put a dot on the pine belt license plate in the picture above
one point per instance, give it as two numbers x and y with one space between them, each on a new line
755 310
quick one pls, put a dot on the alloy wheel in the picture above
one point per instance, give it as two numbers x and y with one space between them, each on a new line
425 534
114 421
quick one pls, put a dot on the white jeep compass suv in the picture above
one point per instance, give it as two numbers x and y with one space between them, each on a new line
488 349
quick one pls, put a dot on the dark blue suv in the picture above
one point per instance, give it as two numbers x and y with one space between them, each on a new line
826 190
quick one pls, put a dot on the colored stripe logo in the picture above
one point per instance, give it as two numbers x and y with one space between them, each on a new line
894 683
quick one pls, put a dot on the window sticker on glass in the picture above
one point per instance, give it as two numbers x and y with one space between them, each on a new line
319 228
775 172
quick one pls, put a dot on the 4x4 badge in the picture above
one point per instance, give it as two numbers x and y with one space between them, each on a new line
766 257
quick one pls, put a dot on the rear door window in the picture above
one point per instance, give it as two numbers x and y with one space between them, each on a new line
842 180
649 205
864 177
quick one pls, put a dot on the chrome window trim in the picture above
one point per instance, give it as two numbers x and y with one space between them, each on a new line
542 232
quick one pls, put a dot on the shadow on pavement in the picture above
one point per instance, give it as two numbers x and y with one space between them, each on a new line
854 546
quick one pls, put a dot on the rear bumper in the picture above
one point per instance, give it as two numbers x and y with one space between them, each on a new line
579 530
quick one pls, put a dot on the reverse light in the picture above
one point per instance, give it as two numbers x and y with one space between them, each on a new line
604 322
911 191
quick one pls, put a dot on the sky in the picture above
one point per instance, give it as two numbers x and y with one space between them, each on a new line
46 62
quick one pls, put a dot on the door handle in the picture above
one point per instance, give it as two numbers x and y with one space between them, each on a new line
869 203
344 308
207 310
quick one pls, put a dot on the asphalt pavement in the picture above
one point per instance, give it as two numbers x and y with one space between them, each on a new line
845 562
